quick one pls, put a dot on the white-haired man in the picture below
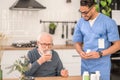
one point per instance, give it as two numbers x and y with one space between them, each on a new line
45 61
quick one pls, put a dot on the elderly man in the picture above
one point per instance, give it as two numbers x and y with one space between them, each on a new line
45 61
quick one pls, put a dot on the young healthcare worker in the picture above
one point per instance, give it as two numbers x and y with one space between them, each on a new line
93 35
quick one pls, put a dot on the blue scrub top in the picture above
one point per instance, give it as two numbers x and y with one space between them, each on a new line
103 27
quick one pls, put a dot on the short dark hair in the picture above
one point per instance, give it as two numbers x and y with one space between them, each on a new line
88 3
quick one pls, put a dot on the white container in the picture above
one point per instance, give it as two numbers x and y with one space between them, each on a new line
93 76
88 50
97 75
85 76
49 52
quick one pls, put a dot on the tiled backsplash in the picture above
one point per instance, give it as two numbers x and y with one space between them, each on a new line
23 26
19 25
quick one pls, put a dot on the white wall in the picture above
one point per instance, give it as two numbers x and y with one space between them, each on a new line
21 26
25 25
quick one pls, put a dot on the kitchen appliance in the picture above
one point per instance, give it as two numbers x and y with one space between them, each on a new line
27 5
25 44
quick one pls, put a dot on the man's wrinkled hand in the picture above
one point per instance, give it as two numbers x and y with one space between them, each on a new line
64 73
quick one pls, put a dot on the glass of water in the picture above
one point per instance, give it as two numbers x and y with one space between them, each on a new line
49 52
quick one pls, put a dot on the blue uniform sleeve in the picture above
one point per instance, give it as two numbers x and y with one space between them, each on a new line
112 31
77 36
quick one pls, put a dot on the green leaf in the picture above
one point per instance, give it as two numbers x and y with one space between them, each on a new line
107 13
109 2
109 10
104 12
11 69
52 26
97 7
95 1
103 3
105 6
20 65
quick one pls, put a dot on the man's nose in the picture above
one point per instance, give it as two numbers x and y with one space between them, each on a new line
47 47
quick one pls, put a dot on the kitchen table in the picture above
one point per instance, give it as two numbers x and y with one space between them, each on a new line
52 78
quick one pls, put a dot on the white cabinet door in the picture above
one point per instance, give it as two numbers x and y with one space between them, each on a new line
73 69
9 57
115 14
71 61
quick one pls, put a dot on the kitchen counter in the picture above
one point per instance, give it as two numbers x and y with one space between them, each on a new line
28 48
55 78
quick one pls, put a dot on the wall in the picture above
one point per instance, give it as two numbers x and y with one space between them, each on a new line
23 26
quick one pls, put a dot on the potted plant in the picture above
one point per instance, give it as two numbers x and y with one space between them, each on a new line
104 6
52 28
21 65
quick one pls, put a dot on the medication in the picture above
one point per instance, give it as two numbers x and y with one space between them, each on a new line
97 75
93 76
85 76
88 50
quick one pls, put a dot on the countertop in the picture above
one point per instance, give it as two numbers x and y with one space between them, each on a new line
55 78
28 48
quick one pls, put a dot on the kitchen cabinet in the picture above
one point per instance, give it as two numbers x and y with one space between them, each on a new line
115 14
69 57
71 61
8 59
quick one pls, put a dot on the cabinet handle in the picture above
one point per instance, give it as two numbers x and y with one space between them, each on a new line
115 58
75 55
